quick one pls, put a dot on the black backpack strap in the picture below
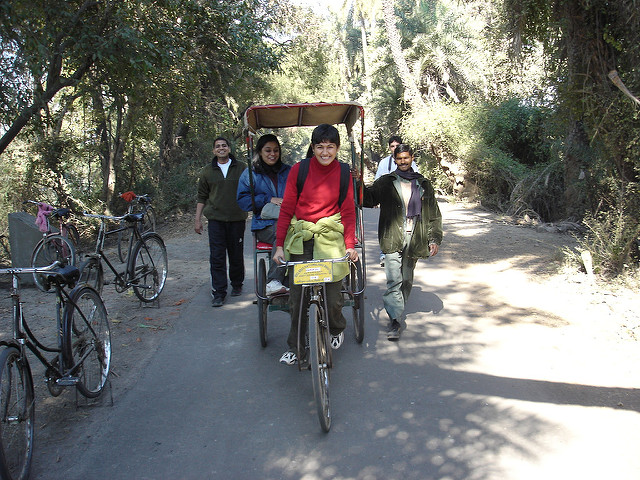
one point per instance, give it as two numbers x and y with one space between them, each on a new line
302 174
344 182
345 171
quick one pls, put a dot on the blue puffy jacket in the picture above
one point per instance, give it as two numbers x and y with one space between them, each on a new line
264 191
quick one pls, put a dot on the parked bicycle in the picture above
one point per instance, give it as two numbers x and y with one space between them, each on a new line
146 260
59 246
315 354
137 204
82 357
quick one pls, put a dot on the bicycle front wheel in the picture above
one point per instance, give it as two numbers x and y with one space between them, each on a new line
123 241
320 365
86 341
148 267
47 251
149 224
92 273
17 412
73 235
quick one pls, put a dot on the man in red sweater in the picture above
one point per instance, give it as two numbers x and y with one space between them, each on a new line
315 213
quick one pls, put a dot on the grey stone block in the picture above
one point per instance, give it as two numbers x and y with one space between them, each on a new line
23 237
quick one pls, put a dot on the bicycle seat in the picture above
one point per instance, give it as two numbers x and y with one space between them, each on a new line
63 276
134 217
61 212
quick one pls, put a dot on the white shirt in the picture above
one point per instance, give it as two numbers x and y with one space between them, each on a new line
388 165
224 167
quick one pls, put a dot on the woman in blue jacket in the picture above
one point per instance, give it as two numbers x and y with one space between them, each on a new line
269 179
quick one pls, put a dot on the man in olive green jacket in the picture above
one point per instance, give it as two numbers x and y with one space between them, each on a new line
409 228
217 188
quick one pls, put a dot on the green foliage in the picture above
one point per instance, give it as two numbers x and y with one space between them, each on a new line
180 71
503 151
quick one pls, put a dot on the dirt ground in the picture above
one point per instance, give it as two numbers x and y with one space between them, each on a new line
137 329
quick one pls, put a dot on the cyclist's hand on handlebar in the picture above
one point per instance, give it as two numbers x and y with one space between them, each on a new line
353 254
278 257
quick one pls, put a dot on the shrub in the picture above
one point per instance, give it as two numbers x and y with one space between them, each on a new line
612 239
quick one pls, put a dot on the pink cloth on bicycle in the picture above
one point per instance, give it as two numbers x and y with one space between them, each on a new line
44 209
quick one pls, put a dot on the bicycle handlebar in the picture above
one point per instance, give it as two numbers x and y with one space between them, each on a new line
332 260
45 270
103 217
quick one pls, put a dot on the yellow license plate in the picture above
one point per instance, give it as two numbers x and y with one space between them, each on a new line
316 272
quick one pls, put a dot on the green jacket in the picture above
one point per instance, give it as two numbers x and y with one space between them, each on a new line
385 191
219 194
328 236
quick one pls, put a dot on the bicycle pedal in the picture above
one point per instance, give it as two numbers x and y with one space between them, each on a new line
67 381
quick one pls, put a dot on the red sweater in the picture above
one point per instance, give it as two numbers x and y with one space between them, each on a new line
319 199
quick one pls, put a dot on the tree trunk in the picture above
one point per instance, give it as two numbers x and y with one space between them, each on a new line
412 94
166 140
575 191
365 60
54 85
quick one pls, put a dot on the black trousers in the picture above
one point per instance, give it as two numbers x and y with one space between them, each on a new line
226 239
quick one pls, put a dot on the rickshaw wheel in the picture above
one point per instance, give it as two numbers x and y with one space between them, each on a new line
358 301
263 304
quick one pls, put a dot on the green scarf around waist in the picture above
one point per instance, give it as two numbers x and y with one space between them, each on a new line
328 241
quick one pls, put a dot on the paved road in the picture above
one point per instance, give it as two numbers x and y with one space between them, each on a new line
479 387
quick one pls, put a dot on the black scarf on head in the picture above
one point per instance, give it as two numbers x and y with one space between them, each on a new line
270 171
415 206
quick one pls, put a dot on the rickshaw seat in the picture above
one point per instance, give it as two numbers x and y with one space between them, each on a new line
263 246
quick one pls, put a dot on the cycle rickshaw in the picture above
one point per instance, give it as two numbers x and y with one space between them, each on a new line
258 117
312 275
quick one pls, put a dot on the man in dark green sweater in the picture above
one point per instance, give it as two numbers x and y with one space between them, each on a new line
217 189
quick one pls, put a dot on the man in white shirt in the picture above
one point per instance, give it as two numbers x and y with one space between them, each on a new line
387 164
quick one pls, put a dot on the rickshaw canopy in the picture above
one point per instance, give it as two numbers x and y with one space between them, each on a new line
302 115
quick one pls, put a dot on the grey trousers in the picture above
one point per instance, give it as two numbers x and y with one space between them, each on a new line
399 271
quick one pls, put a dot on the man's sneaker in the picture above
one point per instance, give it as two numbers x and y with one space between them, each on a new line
336 340
217 301
274 287
393 333
289 358
236 292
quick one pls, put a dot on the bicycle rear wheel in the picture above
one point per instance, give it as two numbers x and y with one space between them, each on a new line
320 365
86 341
263 305
47 251
148 267
92 273
17 412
